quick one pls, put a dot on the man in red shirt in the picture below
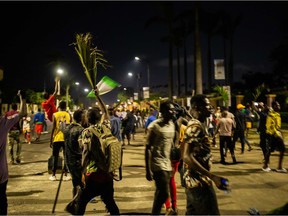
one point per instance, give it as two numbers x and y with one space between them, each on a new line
49 103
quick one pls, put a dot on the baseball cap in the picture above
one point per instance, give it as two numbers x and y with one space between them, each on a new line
240 106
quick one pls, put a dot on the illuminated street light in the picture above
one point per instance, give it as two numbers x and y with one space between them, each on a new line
130 74
86 90
60 71
77 83
148 68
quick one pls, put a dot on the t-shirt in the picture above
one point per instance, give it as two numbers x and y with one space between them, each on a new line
161 147
225 126
49 107
115 124
149 120
273 124
16 126
61 117
73 151
39 118
6 122
197 136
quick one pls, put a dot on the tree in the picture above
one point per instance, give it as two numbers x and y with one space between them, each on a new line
223 93
279 57
228 26
167 19
198 52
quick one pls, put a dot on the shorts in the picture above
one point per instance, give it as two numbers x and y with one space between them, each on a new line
276 143
38 128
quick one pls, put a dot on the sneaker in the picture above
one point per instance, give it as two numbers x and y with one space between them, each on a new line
66 178
282 170
267 169
169 211
93 200
52 178
29 143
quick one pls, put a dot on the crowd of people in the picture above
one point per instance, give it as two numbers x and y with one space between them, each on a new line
194 132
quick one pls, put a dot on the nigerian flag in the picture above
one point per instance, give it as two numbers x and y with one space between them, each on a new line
105 85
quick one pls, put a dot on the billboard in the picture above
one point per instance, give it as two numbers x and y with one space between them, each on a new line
219 69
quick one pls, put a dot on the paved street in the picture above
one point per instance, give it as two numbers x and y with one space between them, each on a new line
31 193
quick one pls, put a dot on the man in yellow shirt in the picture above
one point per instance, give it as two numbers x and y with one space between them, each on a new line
59 119
275 138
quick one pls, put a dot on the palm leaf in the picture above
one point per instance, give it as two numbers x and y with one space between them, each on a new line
89 57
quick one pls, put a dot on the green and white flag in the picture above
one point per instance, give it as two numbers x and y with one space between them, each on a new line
105 85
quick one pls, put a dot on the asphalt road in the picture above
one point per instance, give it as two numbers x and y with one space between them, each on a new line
30 192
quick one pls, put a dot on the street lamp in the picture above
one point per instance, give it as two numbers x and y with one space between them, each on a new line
148 68
60 73
130 74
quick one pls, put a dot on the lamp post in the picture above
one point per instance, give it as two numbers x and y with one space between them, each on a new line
60 73
130 74
148 68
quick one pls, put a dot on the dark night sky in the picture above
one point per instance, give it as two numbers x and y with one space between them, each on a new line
33 31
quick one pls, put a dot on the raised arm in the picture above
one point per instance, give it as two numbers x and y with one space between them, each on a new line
103 107
23 107
57 80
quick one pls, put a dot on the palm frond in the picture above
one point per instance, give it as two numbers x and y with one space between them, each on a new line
89 56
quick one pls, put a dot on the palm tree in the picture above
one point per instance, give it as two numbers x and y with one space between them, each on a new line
167 19
198 52
209 26
228 28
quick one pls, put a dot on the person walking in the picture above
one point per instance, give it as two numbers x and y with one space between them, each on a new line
275 137
224 127
14 136
152 117
127 127
26 122
96 182
6 123
73 150
38 120
239 132
115 123
57 139
262 111
200 195
160 138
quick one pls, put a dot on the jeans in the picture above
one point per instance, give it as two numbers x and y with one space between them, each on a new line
201 200
14 136
75 170
162 179
3 198
55 152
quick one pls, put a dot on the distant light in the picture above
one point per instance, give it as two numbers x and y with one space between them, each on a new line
86 89
124 89
130 74
118 100
60 71
137 58
77 83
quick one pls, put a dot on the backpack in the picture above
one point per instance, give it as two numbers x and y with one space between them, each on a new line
112 151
